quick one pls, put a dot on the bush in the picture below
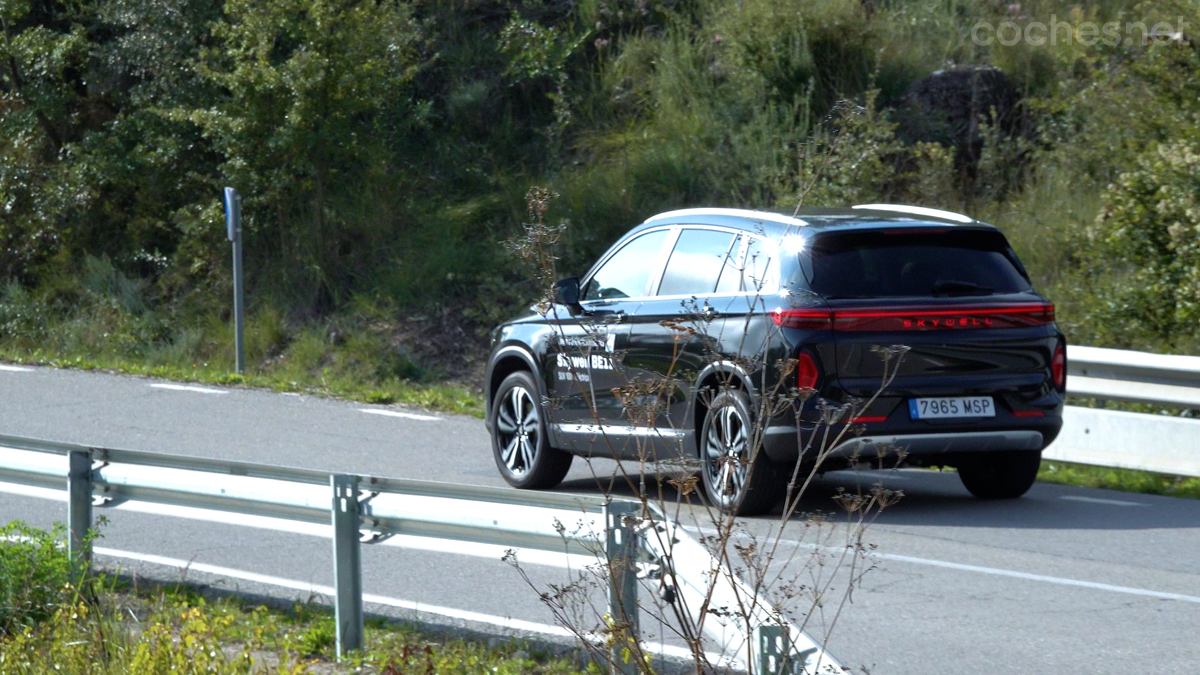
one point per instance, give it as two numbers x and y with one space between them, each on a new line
1149 230
34 574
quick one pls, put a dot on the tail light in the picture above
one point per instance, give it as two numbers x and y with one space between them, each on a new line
807 372
917 318
806 319
1058 367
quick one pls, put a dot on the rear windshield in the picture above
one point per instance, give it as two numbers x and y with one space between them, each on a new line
883 263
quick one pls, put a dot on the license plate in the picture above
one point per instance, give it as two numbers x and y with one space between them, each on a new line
957 406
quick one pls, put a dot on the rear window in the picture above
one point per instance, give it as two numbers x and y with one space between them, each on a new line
884 263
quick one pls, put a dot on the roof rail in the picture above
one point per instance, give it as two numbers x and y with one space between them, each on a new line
917 211
737 213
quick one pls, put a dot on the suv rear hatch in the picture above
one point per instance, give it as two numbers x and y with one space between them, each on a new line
956 296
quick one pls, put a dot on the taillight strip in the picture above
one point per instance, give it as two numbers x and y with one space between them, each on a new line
917 318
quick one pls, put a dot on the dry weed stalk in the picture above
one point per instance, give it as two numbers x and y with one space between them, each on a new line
796 568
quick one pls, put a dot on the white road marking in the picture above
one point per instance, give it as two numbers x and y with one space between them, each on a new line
1041 577
1062 581
1096 500
186 387
15 369
393 413
506 622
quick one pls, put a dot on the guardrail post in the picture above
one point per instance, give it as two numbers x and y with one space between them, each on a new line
621 547
79 512
347 565
771 650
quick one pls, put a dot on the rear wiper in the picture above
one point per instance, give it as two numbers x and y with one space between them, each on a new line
960 288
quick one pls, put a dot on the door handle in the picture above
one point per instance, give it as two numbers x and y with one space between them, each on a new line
709 312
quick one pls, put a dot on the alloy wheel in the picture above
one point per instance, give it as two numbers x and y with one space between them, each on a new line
518 430
726 443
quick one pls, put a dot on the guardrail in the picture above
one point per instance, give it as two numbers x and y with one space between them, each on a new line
1127 440
1138 377
620 533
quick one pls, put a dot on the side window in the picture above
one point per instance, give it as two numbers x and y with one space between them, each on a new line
760 273
625 274
696 262
731 275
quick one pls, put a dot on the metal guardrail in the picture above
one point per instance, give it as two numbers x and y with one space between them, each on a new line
1125 440
618 532
1138 377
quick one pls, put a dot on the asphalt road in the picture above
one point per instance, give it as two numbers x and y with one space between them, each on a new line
1065 580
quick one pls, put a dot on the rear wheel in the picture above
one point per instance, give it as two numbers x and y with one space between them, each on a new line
519 444
736 479
1000 475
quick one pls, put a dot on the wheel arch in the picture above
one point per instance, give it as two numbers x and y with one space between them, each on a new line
506 361
711 379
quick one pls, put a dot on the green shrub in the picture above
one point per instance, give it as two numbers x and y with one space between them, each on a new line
1149 230
34 573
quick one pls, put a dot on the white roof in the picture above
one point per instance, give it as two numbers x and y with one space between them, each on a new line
917 211
738 213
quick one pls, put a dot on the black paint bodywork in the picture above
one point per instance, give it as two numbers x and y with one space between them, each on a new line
736 339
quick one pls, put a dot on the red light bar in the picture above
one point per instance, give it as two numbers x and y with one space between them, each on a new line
867 419
917 318
807 319
1028 413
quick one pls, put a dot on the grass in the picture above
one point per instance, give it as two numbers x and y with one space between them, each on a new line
112 626
152 630
367 353
1124 480
326 381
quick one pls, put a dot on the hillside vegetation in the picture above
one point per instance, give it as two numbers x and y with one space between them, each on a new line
384 150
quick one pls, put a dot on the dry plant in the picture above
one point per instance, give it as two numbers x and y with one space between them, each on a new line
797 566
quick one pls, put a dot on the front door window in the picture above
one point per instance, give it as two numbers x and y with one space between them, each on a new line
627 272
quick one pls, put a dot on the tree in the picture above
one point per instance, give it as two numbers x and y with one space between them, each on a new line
1150 224
309 88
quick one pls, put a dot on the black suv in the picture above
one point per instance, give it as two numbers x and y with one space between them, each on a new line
711 302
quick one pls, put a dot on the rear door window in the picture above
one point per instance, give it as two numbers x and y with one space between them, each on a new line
626 273
755 271
731 274
760 274
696 262
885 264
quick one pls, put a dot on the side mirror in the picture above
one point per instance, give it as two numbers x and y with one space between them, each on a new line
567 292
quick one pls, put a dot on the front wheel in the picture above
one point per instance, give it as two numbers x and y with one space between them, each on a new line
737 478
519 444
1000 475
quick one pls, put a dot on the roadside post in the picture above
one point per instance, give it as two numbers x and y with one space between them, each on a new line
79 512
621 548
233 229
347 564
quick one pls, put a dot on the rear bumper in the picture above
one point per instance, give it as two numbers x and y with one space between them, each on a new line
783 444
871 447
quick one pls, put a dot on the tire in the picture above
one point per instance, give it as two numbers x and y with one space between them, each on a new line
1000 475
519 443
731 482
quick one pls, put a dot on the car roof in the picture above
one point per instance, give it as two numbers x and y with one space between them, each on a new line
773 224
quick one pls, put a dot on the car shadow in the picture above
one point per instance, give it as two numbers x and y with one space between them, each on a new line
938 499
